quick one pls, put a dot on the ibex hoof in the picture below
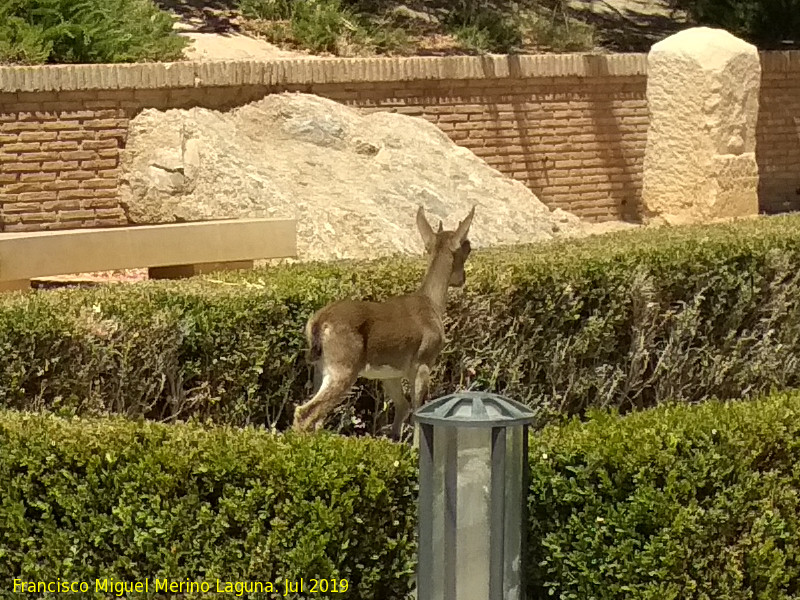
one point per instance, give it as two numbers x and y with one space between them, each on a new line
395 436
299 425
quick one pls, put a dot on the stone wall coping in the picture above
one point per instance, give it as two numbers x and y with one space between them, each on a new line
314 71
299 71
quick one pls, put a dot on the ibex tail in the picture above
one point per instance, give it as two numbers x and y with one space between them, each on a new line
314 352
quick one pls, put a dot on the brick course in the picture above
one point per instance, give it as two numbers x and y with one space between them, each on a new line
571 128
778 132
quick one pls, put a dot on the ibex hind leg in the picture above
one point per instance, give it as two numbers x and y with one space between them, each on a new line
332 391
336 369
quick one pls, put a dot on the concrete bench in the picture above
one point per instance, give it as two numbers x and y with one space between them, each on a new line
169 251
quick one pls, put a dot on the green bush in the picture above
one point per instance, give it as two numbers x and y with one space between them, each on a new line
766 23
482 27
677 503
93 499
89 31
266 9
558 33
332 26
347 27
626 320
320 25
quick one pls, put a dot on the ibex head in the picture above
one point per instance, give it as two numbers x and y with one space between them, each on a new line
453 244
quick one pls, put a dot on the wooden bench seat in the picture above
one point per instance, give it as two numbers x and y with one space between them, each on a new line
168 251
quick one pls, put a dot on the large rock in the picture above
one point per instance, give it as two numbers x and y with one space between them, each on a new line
352 179
700 163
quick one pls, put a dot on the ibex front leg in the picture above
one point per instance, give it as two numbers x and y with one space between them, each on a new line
394 391
420 386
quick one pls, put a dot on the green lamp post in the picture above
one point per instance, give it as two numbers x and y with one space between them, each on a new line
473 450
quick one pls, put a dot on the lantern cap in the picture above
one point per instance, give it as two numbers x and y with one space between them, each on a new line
474 409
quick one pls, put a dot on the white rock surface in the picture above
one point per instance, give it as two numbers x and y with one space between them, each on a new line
700 164
352 179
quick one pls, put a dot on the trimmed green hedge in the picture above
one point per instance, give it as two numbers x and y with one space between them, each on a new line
94 499
767 23
679 502
625 320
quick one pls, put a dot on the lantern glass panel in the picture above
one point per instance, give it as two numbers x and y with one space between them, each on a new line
444 452
515 461
473 520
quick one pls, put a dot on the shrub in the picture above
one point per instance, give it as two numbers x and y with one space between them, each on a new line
484 28
558 34
675 503
349 27
321 26
766 23
626 320
93 499
266 9
680 502
89 31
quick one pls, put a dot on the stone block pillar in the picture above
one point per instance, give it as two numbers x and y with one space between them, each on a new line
702 95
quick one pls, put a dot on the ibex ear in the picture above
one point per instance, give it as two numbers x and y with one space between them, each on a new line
425 229
441 227
463 229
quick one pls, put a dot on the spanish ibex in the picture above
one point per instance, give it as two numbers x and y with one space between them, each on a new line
391 340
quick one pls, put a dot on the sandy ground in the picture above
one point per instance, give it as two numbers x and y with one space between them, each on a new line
216 35
228 45
232 46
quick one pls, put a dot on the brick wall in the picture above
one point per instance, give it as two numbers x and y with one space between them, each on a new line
58 154
577 142
571 127
60 151
778 132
